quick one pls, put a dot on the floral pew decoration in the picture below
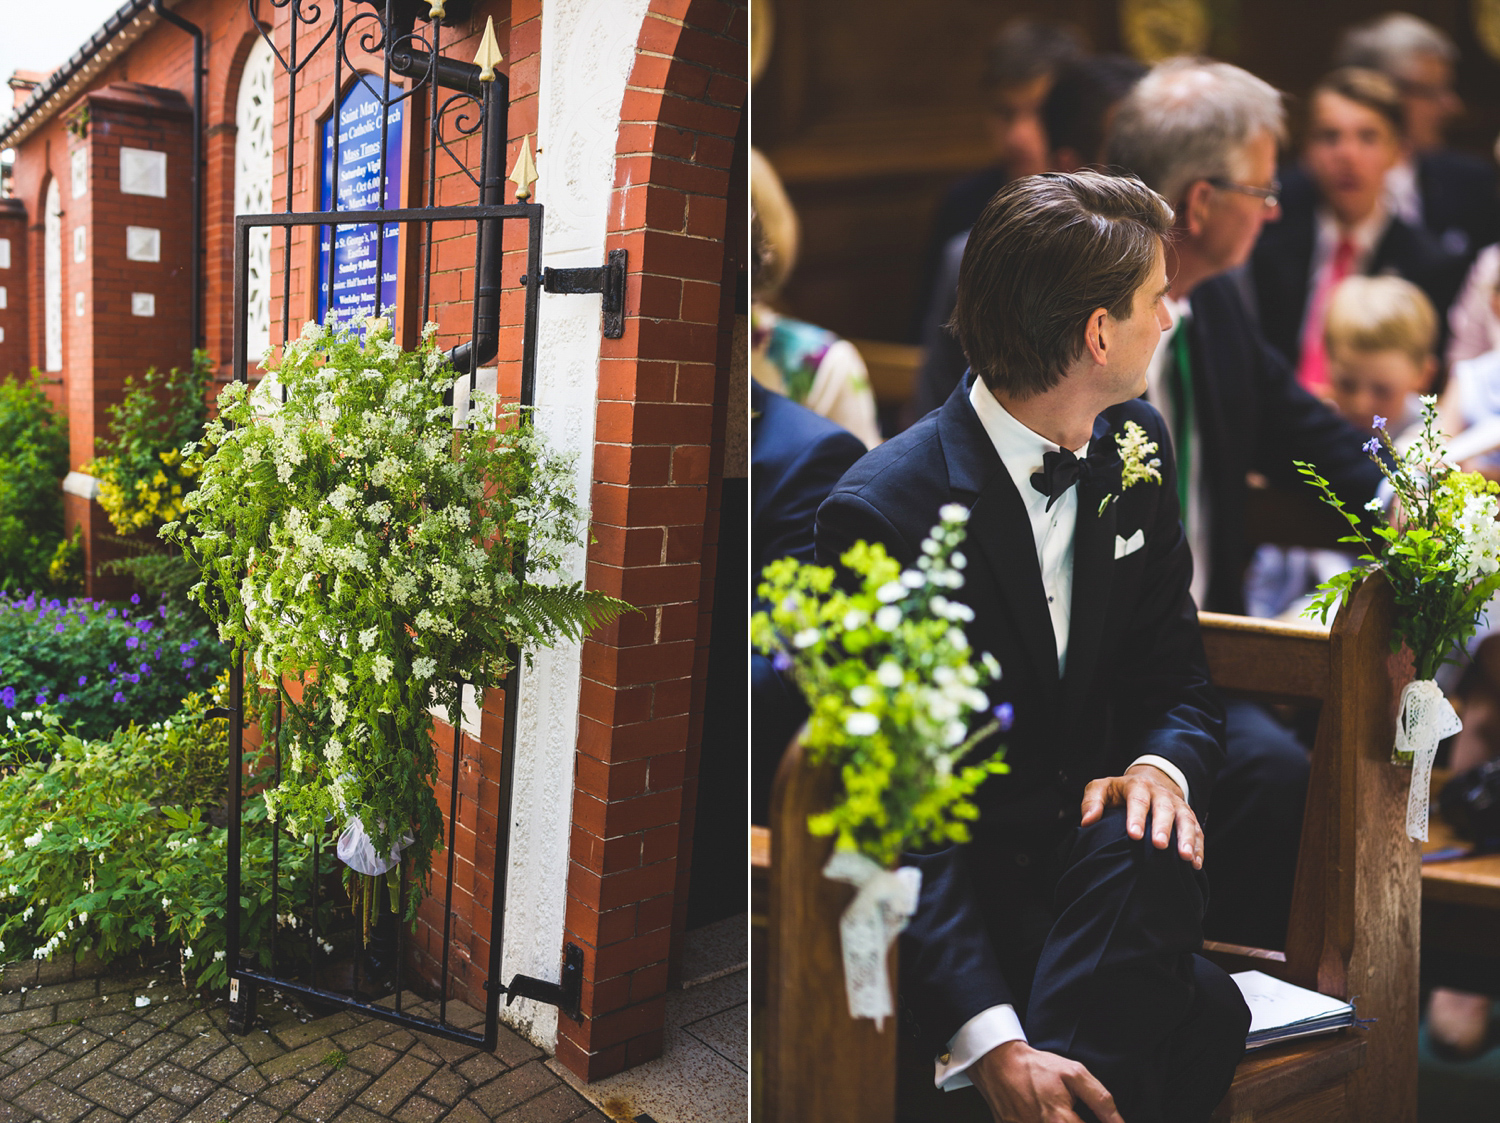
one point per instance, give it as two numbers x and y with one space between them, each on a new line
351 541
893 687
1440 550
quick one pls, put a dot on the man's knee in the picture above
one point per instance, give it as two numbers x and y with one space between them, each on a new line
1104 856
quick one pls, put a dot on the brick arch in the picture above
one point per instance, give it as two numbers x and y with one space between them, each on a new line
661 408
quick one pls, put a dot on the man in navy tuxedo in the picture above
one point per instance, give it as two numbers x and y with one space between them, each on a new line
1051 963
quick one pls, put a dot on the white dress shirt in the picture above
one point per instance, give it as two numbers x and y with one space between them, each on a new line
1160 395
1402 196
1021 452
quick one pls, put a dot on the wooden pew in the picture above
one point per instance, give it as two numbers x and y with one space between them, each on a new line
1354 921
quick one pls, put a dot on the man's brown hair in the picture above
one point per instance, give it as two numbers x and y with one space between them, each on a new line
1047 251
1369 88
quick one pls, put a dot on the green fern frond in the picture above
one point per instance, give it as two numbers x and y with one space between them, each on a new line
555 612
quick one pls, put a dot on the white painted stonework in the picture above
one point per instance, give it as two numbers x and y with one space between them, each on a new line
142 243
143 172
4 253
143 304
588 49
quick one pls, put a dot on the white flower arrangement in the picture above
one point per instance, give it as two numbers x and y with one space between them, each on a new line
351 539
1138 460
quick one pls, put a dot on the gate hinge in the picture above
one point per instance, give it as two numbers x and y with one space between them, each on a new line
608 280
565 995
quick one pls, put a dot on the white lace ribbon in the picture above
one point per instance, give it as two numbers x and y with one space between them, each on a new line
1426 718
883 903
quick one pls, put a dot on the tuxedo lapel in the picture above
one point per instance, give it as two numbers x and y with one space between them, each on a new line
1093 564
999 530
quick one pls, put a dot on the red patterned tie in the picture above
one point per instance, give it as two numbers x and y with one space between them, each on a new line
1312 371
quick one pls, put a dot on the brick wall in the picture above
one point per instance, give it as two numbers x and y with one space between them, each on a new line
641 708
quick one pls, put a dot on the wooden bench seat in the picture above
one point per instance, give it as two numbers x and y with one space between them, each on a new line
1354 921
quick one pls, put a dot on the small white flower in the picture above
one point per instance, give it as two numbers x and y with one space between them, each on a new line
853 619
862 695
889 675
957 639
953 513
1428 399
912 579
219 956
424 667
187 953
1375 506
958 560
890 591
888 619
805 638
367 638
862 724
991 664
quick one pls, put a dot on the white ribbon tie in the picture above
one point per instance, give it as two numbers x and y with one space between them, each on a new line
1426 718
882 905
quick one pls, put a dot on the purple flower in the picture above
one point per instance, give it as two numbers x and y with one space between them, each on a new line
1378 422
158 654
41 699
83 680
62 626
135 598
162 611
782 661
1372 446
62 699
145 668
8 696
110 615
189 662
133 642
118 697
1005 714
184 648
113 667
143 625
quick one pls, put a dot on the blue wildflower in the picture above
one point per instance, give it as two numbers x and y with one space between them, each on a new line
184 648
83 680
62 699
782 661
133 642
8 696
1372 446
143 625
118 697
135 598
113 667
145 668
189 662
41 699
1005 714
110 615
62 626
1378 422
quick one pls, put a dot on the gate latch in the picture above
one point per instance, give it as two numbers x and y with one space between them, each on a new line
608 280
566 995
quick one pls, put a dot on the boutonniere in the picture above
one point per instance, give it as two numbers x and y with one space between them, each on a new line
1138 460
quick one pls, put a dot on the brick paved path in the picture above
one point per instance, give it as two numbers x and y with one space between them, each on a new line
77 1049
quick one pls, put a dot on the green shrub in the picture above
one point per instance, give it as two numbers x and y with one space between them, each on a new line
141 472
99 666
33 462
105 846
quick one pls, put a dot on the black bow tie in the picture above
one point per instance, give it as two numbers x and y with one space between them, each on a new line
1060 471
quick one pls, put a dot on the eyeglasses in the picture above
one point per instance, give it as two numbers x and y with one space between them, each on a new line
1270 196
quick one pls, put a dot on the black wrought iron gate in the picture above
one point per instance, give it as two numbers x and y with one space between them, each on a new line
471 98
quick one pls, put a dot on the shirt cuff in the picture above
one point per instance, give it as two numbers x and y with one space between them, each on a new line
1168 767
986 1030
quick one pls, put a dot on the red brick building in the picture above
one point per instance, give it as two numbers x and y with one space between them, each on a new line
633 110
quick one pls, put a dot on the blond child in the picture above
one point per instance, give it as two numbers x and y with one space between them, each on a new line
1379 334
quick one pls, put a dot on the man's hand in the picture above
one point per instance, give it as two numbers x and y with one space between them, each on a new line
1143 789
1024 1085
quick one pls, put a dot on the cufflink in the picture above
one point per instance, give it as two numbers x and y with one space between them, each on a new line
945 1058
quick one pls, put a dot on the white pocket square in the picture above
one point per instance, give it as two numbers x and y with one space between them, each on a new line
1129 545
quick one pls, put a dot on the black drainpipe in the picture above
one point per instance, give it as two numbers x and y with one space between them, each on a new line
197 210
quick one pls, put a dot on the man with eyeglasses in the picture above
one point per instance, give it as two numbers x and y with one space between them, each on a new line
1204 135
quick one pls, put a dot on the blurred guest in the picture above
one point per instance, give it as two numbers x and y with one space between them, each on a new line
1076 116
1337 222
1453 195
1474 319
1204 135
795 459
1379 334
810 365
1018 76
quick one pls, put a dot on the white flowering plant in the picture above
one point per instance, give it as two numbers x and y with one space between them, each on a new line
1138 461
893 687
363 553
1442 558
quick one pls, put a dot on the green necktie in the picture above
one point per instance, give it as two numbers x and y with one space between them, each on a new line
1182 416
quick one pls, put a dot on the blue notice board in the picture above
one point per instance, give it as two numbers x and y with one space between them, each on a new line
357 281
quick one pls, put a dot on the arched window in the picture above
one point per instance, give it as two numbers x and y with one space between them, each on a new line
252 188
52 275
